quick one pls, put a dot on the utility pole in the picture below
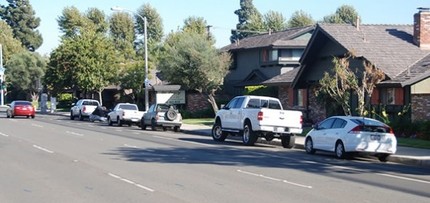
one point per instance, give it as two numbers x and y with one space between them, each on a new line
1 76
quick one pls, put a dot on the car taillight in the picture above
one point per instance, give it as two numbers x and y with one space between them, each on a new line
356 129
390 130
260 116
84 108
301 119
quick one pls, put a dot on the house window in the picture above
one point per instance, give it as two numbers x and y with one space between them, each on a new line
269 55
290 54
299 95
388 96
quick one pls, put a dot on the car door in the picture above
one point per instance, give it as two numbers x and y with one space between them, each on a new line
226 114
320 134
236 114
335 133
75 108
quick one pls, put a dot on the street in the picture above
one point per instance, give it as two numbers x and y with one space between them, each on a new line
55 159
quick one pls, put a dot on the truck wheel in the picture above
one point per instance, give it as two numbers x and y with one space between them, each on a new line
171 114
142 125
118 121
109 121
217 133
81 118
288 141
176 128
249 137
72 117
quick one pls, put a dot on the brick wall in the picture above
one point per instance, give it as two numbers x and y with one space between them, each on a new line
196 102
420 107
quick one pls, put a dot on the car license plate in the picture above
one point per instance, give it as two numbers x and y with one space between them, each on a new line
279 130
24 108
134 119
375 137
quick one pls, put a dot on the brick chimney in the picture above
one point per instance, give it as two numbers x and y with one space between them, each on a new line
422 28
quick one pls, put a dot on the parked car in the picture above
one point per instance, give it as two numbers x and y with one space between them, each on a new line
125 113
344 135
20 108
83 108
257 116
164 115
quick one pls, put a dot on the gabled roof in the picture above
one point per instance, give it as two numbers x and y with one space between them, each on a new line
285 78
281 39
417 72
254 78
389 47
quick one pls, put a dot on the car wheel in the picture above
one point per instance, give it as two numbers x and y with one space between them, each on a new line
217 133
248 136
33 116
72 117
12 116
382 157
176 128
171 114
118 121
153 125
309 146
109 121
28 116
288 141
340 150
81 118
142 125
7 115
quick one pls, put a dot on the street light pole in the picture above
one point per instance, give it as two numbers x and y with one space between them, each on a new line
116 8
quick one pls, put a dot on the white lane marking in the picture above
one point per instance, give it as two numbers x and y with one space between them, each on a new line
136 133
35 125
132 146
131 182
274 179
43 149
73 133
104 128
404 178
118 130
184 141
4 135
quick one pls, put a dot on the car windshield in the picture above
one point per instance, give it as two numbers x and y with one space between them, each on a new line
164 107
23 103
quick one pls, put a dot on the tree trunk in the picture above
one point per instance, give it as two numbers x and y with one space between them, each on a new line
211 100
100 97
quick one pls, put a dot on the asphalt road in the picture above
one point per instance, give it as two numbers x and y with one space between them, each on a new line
53 159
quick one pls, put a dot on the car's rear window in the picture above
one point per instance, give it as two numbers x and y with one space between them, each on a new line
370 125
23 103
128 107
90 103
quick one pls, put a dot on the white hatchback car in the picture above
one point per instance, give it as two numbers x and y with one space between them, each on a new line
347 134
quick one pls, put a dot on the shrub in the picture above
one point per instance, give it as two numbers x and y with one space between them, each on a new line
206 113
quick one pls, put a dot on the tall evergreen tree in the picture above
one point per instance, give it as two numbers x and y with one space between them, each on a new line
123 34
300 19
71 21
20 16
343 14
274 21
246 12
154 20
9 44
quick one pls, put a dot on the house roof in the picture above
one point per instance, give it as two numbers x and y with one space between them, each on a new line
285 78
417 72
256 77
280 39
389 47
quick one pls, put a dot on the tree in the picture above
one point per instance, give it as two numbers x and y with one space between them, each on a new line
274 21
196 25
132 77
300 19
344 14
88 60
123 34
9 44
71 21
25 71
97 20
190 60
343 80
247 14
20 16
155 23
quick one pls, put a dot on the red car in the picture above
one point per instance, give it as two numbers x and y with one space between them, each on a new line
21 108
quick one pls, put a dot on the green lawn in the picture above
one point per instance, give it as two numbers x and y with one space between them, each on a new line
199 121
416 143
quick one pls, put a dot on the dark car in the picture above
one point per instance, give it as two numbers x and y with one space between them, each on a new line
21 108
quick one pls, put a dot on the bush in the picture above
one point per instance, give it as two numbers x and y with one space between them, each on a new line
207 113
419 129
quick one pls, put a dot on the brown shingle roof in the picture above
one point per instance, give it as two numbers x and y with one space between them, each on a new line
282 38
285 78
388 47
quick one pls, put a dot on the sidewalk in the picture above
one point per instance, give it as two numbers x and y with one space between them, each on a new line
404 155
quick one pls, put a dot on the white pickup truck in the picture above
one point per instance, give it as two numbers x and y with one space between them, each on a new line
125 113
257 116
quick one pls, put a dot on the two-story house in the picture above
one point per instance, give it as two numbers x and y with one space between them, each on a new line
262 57
402 52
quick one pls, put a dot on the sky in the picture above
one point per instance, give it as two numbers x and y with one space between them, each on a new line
220 13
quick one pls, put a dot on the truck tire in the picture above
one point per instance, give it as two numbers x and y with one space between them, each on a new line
109 121
72 117
142 124
217 133
118 121
249 137
288 141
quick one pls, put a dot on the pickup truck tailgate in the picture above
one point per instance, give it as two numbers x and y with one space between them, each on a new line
278 118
